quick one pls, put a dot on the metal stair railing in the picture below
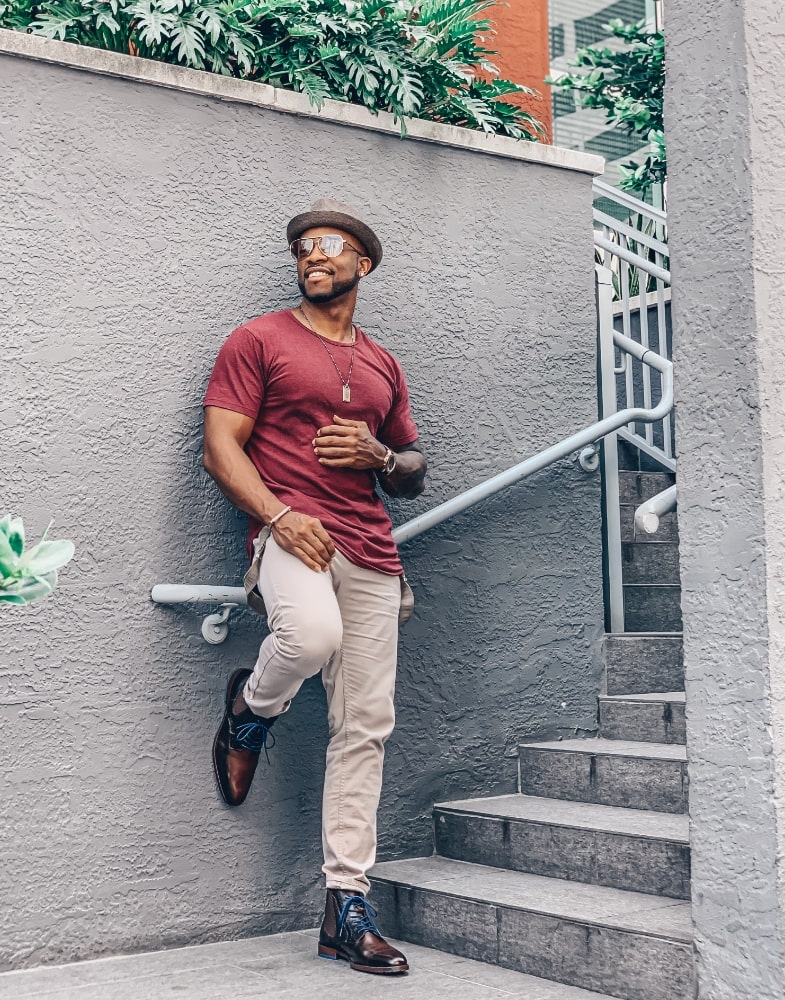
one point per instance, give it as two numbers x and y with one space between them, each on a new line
636 252
647 516
215 626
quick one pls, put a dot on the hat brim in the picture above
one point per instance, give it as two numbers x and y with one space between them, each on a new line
346 223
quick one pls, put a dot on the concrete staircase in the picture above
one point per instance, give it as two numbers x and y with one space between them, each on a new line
581 879
650 563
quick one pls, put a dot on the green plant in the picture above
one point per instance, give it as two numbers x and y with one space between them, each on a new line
423 59
26 576
628 86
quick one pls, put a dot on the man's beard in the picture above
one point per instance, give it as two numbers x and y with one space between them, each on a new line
338 289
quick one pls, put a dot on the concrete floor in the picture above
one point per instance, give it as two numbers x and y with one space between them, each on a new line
282 965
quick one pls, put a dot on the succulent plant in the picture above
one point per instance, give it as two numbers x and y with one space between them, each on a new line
26 576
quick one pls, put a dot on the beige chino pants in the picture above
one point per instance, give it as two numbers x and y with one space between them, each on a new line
343 622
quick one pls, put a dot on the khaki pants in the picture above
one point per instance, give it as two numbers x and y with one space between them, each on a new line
345 623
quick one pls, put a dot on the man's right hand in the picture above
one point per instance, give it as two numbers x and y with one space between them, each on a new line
306 538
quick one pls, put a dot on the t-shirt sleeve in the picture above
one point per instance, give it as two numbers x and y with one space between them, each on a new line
237 381
398 427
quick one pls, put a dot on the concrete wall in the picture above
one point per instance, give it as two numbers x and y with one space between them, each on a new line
726 191
140 224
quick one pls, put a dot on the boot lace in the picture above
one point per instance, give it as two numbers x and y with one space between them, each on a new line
254 736
358 912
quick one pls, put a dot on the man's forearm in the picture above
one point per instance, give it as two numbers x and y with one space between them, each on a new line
407 479
239 481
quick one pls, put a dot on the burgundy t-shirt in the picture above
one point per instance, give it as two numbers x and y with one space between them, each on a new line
275 370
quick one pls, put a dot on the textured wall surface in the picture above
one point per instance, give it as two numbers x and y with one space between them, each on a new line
140 225
726 193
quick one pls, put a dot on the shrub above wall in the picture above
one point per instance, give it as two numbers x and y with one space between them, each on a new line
416 60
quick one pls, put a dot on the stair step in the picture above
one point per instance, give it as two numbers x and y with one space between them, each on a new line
650 563
627 944
637 487
642 662
652 608
647 718
603 845
630 774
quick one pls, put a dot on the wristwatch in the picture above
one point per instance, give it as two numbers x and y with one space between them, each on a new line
389 462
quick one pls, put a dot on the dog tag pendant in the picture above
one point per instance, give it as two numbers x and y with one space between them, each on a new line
347 394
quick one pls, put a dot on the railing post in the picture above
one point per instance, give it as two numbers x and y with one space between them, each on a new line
610 453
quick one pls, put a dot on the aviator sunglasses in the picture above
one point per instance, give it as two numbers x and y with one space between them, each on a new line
331 245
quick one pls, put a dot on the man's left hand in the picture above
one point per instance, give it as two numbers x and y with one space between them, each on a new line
348 444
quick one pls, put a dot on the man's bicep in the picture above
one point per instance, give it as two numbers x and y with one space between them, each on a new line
222 425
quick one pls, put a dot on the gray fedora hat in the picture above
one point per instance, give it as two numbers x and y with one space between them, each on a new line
327 212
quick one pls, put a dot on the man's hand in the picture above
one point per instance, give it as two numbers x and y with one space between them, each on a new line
348 444
306 538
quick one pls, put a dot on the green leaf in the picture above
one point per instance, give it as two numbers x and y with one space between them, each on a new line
16 535
34 589
46 557
8 558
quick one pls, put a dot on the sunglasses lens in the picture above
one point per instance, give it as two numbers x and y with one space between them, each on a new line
301 248
332 245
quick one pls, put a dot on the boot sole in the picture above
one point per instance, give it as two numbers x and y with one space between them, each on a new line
333 955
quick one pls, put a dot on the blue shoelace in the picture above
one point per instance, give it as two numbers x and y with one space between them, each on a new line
254 736
362 919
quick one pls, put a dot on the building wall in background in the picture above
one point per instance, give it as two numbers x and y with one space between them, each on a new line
141 223
539 38
575 24
522 41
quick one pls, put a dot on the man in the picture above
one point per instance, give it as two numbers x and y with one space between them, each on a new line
304 414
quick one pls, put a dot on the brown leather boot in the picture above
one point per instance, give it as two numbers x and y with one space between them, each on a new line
238 743
349 932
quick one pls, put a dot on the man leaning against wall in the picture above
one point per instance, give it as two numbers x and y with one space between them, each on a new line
304 416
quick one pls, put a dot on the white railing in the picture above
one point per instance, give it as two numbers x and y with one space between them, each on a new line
631 240
635 250
586 441
647 516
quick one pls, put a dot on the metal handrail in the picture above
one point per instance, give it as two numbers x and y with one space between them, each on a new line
632 258
550 455
166 593
647 516
629 201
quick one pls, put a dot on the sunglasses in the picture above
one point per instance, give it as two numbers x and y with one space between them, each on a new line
331 246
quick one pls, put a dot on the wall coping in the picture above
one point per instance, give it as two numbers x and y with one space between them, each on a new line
225 88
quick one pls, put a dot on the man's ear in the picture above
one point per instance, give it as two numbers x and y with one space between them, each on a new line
365 264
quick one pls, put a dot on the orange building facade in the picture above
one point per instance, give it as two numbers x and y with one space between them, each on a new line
522 42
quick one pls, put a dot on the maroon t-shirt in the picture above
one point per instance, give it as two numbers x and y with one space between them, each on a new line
278 372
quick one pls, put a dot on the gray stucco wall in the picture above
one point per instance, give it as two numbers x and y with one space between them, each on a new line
140 225
726 139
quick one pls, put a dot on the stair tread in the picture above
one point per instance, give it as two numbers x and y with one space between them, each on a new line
618 748
676 697
634 636
600 906
578 815
468 976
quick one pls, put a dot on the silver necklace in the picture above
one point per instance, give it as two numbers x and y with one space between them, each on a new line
347 392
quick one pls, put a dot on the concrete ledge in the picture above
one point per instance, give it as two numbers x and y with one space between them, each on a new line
83 57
